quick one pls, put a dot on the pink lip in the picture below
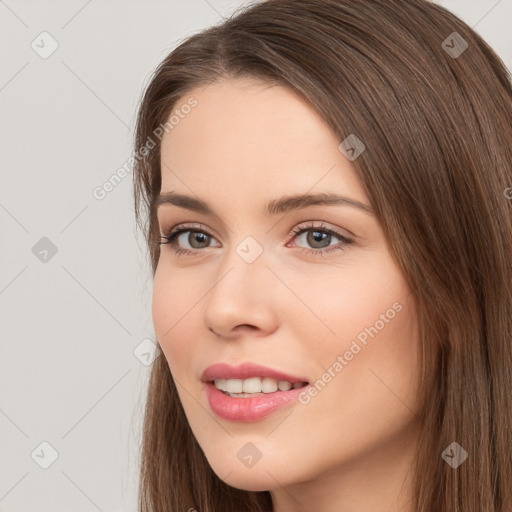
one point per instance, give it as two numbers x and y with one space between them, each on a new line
248 408
245 371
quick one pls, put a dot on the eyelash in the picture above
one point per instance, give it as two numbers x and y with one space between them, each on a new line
170 239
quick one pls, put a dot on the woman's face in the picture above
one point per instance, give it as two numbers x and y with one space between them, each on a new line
335 314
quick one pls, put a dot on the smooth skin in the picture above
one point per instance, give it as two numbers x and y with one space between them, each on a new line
351 446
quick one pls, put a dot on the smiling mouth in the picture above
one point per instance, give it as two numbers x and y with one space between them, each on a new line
254 386
252 398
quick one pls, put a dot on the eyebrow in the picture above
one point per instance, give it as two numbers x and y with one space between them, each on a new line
276 206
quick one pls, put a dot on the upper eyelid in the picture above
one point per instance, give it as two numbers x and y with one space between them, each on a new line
323 226
298 229
184 227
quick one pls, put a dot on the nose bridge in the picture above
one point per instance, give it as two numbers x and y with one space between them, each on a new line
243 268
241 293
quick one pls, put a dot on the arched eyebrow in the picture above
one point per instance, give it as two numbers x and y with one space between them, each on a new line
274 207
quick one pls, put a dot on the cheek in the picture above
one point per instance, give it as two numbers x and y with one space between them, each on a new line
369 321
173 314
381 366
347 300
368 397
163 305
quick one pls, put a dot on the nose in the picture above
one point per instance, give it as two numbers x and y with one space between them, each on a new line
241 301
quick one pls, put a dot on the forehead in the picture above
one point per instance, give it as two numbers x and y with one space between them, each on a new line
253 139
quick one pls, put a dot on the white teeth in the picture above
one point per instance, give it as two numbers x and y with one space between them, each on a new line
252 385
268 385
220 384
234 385
255 385
284 385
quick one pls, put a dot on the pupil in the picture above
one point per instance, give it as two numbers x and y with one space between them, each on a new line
193 238
316 237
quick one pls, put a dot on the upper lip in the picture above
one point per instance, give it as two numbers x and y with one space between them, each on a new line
245 371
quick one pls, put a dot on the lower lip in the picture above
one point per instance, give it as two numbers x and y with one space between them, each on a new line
250 408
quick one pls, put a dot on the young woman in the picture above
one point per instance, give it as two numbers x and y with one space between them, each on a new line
326 191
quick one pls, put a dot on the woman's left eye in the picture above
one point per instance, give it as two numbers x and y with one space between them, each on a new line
319 237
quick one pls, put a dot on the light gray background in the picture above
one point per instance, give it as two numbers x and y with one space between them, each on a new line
69 325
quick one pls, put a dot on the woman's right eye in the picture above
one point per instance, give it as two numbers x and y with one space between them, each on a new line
197 239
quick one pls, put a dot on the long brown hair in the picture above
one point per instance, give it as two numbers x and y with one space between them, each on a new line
434 110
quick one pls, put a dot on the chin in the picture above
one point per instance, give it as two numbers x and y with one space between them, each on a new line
247 481
256 479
